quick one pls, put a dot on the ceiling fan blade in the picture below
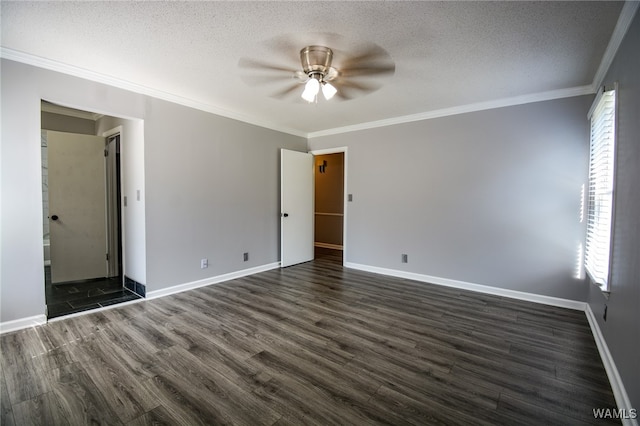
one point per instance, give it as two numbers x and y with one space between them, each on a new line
347 89
283 45
369 53
368 70
285 92
340 94
261 73
261 65
263 80
343 84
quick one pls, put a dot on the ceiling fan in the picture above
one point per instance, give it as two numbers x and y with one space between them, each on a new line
321 70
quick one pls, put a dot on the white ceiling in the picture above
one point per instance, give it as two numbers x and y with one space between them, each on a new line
448 55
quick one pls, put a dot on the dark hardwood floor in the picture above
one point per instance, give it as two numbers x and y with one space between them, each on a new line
310 344
70 298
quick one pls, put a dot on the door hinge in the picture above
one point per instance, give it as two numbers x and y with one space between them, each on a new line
107 257
106 152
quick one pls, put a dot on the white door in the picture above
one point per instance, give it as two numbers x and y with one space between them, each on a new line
77 207
296 207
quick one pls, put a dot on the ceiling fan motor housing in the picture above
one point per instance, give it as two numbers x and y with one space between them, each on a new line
316 60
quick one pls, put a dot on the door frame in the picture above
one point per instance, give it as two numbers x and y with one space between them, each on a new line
337 150
115 223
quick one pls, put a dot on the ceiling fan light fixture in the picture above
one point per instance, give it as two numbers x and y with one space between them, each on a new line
316 63
317 72
328 90
311 89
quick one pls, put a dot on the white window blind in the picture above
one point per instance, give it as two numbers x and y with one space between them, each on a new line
601 185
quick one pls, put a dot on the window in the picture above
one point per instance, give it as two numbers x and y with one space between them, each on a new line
601 186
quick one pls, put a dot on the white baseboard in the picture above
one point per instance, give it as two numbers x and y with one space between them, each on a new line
513 294
212 280
19 324
619 392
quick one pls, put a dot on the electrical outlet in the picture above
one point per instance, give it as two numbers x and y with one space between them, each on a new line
204 263
405 258
245 256
604 316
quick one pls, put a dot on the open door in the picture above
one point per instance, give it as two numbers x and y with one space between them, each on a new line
77 197
296 207
114 209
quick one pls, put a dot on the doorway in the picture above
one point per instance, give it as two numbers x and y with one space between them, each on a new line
330 203
313 190
82 217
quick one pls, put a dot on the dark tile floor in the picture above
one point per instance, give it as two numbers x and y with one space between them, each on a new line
68 298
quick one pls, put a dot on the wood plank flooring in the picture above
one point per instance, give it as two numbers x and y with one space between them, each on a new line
309 344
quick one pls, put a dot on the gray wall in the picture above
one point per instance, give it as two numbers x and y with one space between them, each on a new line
490 197
622 328
211 185
212 192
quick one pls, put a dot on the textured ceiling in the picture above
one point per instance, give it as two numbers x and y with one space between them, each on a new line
447 54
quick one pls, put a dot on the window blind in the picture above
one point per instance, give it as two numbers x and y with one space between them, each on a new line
601 186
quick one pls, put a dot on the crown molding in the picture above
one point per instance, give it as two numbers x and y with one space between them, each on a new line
629 9
56 66
627 13
462 109
26 58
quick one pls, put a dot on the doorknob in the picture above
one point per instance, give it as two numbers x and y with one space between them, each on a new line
285 214
54 217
